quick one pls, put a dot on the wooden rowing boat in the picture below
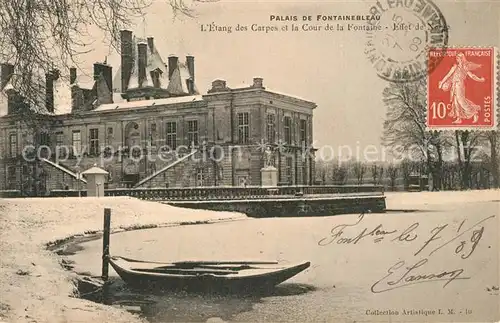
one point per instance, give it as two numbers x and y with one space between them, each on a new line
211 276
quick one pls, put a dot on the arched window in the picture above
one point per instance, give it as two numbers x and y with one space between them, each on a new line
132 135
133 139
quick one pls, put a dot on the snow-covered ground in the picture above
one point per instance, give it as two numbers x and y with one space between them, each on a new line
35 288
446 232
410 200
33 285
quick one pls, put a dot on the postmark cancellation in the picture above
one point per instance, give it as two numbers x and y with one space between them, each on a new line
398 40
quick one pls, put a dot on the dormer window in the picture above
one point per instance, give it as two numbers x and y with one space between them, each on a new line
155 76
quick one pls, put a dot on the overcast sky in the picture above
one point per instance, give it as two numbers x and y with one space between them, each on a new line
329 68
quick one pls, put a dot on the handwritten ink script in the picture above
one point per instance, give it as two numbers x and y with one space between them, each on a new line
462 240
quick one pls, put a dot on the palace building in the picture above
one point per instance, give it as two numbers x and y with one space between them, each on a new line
148 126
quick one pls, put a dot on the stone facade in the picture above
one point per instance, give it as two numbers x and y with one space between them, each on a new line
155 130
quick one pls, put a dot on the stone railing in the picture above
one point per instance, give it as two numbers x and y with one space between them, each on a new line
236 192
223 193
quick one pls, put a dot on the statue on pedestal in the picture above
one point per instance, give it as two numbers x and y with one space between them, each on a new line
268 157
269 173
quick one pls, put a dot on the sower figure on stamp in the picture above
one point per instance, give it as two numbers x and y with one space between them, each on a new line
461 107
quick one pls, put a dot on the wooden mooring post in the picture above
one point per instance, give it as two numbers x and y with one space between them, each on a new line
105 244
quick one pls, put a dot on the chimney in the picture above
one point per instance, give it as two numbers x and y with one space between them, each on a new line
106 71
127 59
6 72
142 51
13 98
50 77
218 86
151 44
257 82
77 98
72 75
190 65
172 65
75 90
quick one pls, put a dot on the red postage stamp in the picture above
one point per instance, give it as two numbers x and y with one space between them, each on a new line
461 88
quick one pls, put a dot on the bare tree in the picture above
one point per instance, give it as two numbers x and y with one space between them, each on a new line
408 168
322 171
450 174
392 171
43 38
374 171
492 139
339 173
40 36
466 145
377 172
359 169
405 125
380 175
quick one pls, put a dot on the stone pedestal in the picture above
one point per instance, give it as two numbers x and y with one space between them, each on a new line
269 176
96 177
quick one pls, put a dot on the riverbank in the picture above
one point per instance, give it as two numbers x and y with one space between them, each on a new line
33 284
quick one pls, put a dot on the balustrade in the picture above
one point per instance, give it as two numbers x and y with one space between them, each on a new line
228 193
221 192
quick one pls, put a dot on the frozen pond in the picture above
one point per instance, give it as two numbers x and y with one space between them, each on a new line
438 264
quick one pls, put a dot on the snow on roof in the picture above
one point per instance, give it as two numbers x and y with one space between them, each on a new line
163 80
62 97
241 86
175 84
288 95
62 109
117 98
117 80
147 103
245 86
178 83
8 86
154 62
34 93
85 81
36 96
185 75
95 170
134 76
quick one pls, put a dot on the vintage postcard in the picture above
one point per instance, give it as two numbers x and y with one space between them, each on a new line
249 161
